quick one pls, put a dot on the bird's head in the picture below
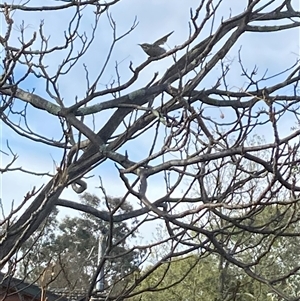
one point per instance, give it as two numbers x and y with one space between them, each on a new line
145 46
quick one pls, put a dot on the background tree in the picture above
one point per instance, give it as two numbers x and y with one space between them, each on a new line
210 277
72 250
156 137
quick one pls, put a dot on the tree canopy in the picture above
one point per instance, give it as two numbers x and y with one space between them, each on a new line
201 140
70 248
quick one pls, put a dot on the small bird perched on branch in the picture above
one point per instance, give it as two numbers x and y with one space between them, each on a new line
153 50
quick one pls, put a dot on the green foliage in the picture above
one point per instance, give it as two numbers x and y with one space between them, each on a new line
71 251
212 278
194 278
181 279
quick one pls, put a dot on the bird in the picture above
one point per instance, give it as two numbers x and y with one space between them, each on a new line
154 50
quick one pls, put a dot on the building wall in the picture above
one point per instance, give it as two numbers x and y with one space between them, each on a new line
13 296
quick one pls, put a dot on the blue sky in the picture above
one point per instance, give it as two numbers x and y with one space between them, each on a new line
275 52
